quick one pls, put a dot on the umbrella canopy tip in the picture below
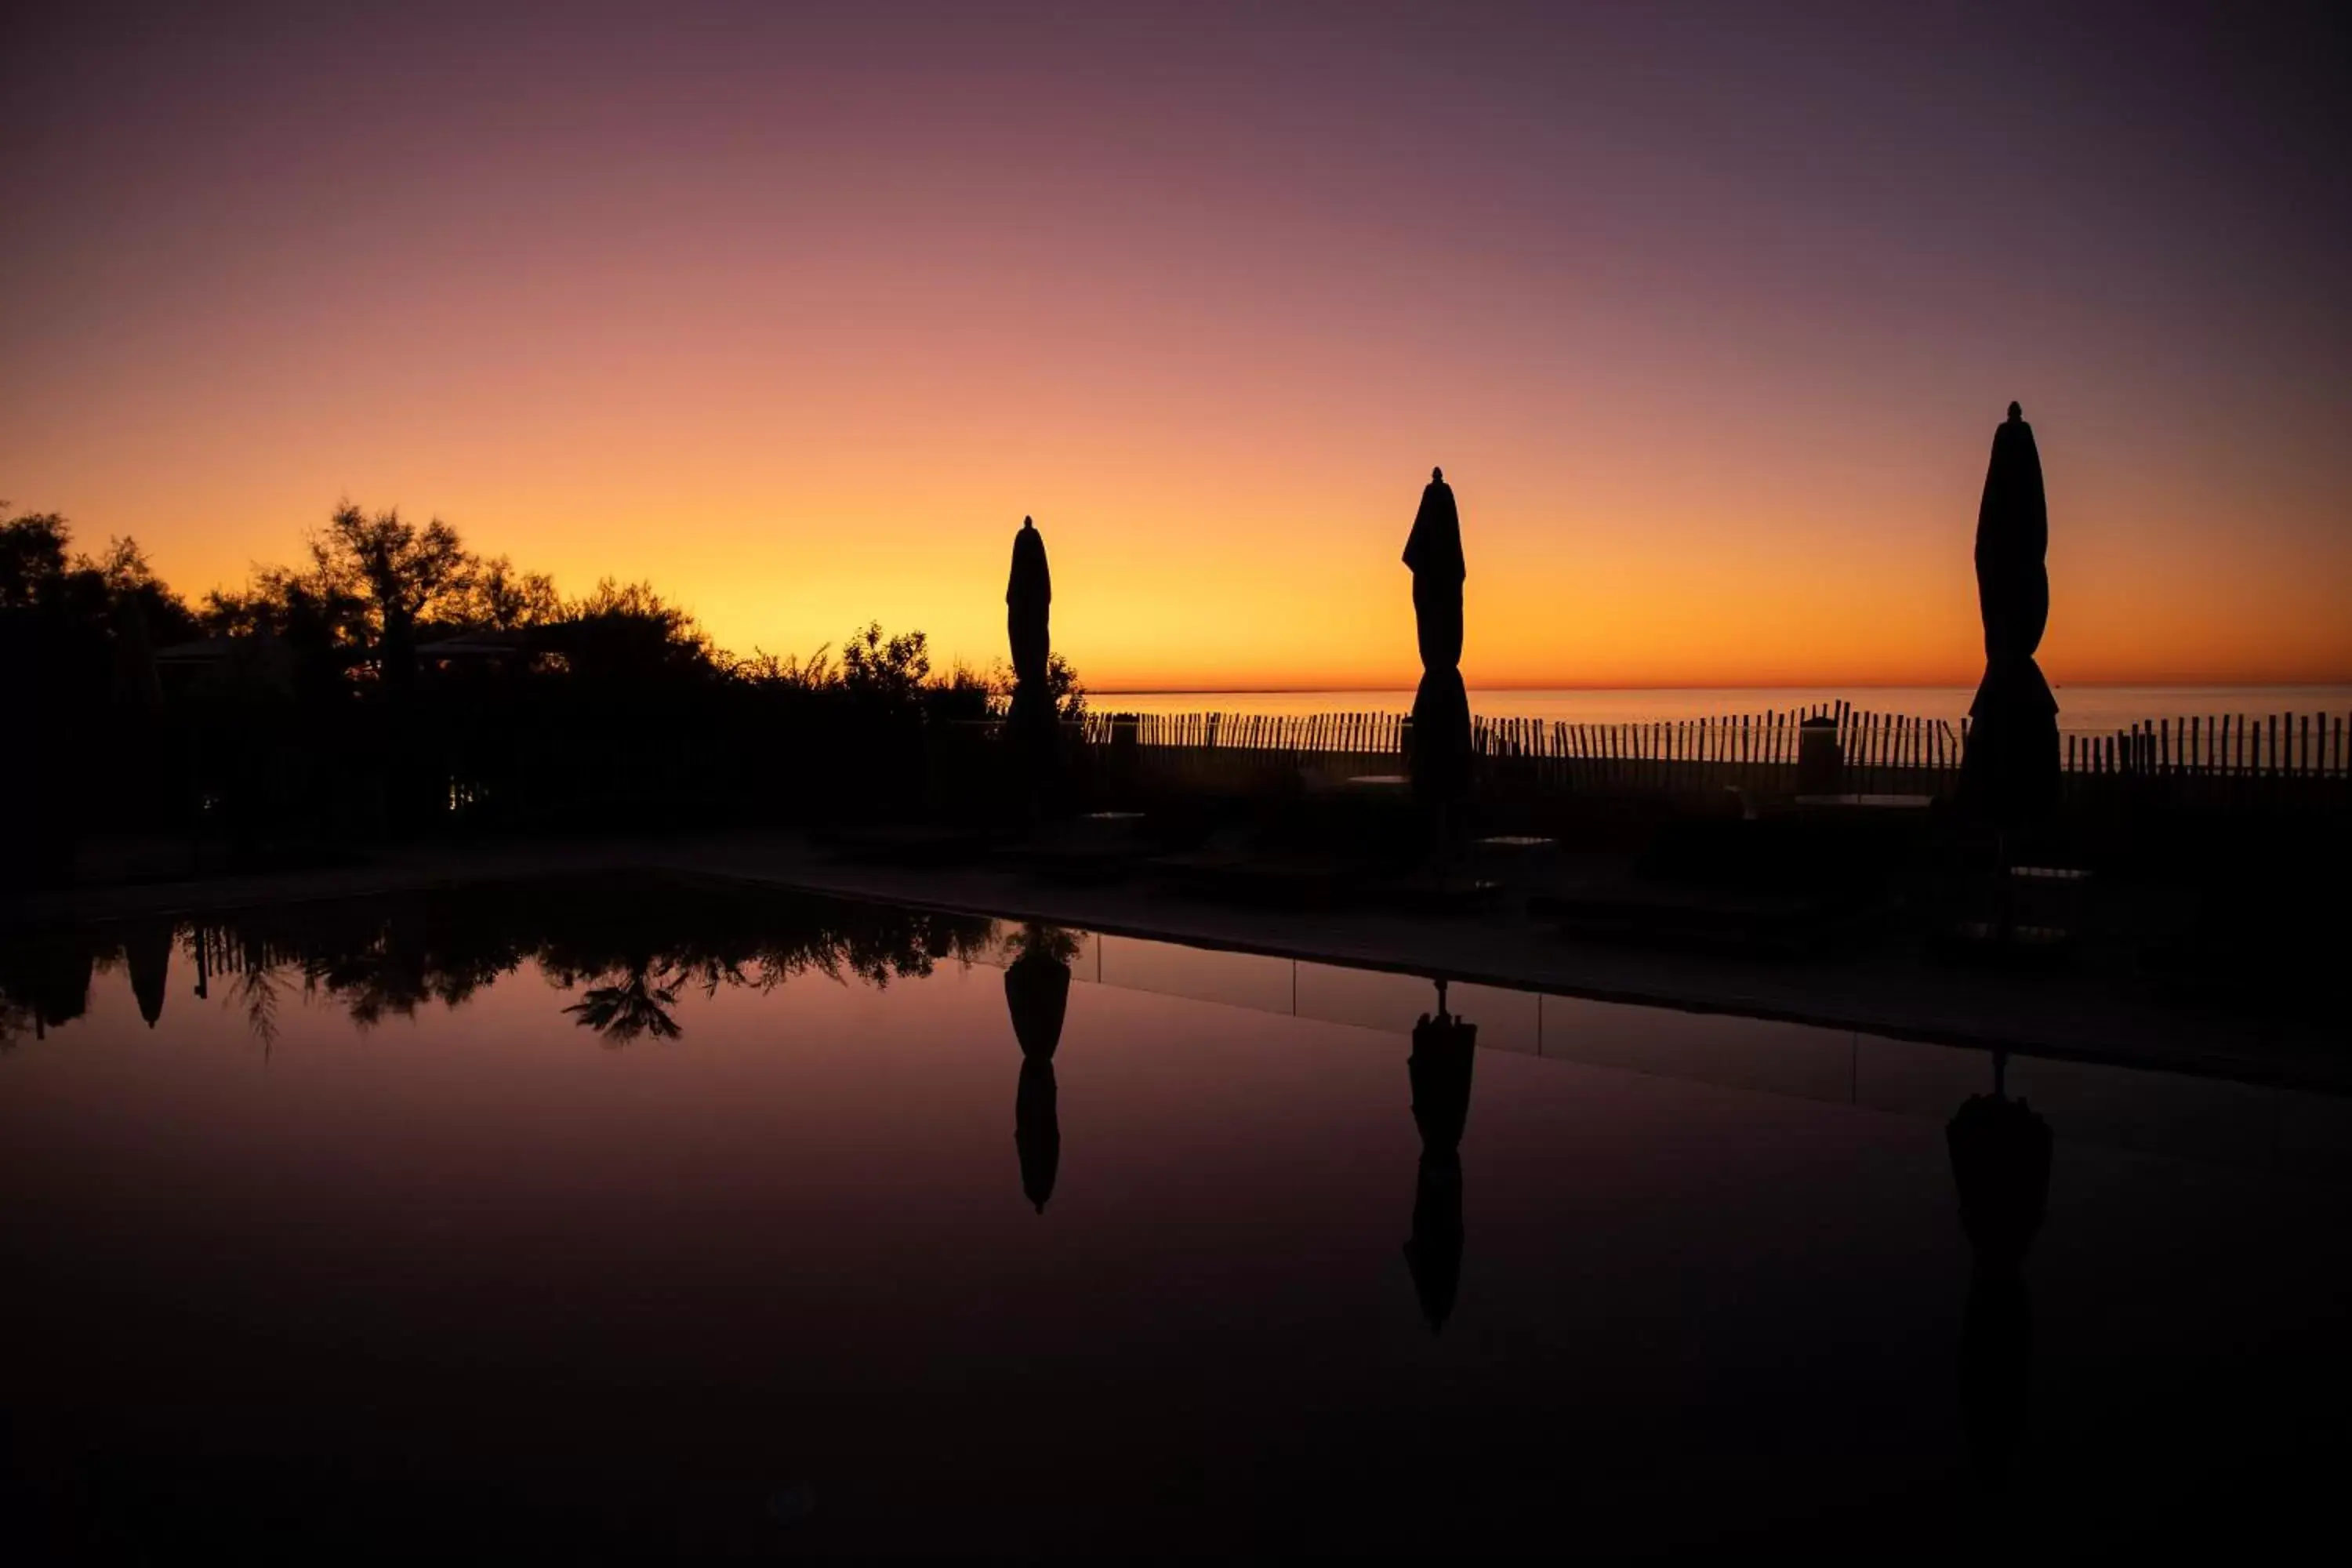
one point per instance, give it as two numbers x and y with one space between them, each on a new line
2015 411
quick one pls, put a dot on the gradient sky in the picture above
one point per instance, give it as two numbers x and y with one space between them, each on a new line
1708 310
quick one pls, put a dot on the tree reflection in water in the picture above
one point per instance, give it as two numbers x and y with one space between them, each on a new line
639 1005
630 947
45 982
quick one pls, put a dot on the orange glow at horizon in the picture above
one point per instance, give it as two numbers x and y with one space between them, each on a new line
801 346
1249 577
1185 557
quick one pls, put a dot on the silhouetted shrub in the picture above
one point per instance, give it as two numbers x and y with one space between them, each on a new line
394 681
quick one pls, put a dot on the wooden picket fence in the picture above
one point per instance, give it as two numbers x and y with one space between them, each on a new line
2227 745
1363 734
1880 754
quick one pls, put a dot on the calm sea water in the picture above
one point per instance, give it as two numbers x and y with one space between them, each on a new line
2100 709
629 1219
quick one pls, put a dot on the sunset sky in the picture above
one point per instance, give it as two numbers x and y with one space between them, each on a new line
1708 310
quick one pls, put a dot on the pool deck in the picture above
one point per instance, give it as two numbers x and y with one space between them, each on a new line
2085 1016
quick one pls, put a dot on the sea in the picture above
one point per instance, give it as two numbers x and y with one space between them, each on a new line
2092 710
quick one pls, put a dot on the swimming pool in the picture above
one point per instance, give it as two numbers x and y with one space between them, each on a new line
650 1216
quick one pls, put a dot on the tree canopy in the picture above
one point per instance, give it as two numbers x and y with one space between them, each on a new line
373 589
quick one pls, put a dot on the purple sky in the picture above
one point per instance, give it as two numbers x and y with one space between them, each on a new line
768 302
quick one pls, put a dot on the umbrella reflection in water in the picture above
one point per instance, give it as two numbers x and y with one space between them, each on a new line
147 951
1439 1068
2000 1164
1037 995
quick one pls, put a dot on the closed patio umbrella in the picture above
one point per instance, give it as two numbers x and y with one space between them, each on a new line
1028 609
1432 553
2009 771
1029 604
1440 756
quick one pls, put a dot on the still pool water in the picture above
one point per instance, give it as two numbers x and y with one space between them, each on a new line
610 1219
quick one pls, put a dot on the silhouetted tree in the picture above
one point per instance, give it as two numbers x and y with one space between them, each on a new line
322 624
402 573
961 696
130 584
596 710
818 672
39 571
627 632
32 559
497 597
77 697
883 670
1061 684
367 582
